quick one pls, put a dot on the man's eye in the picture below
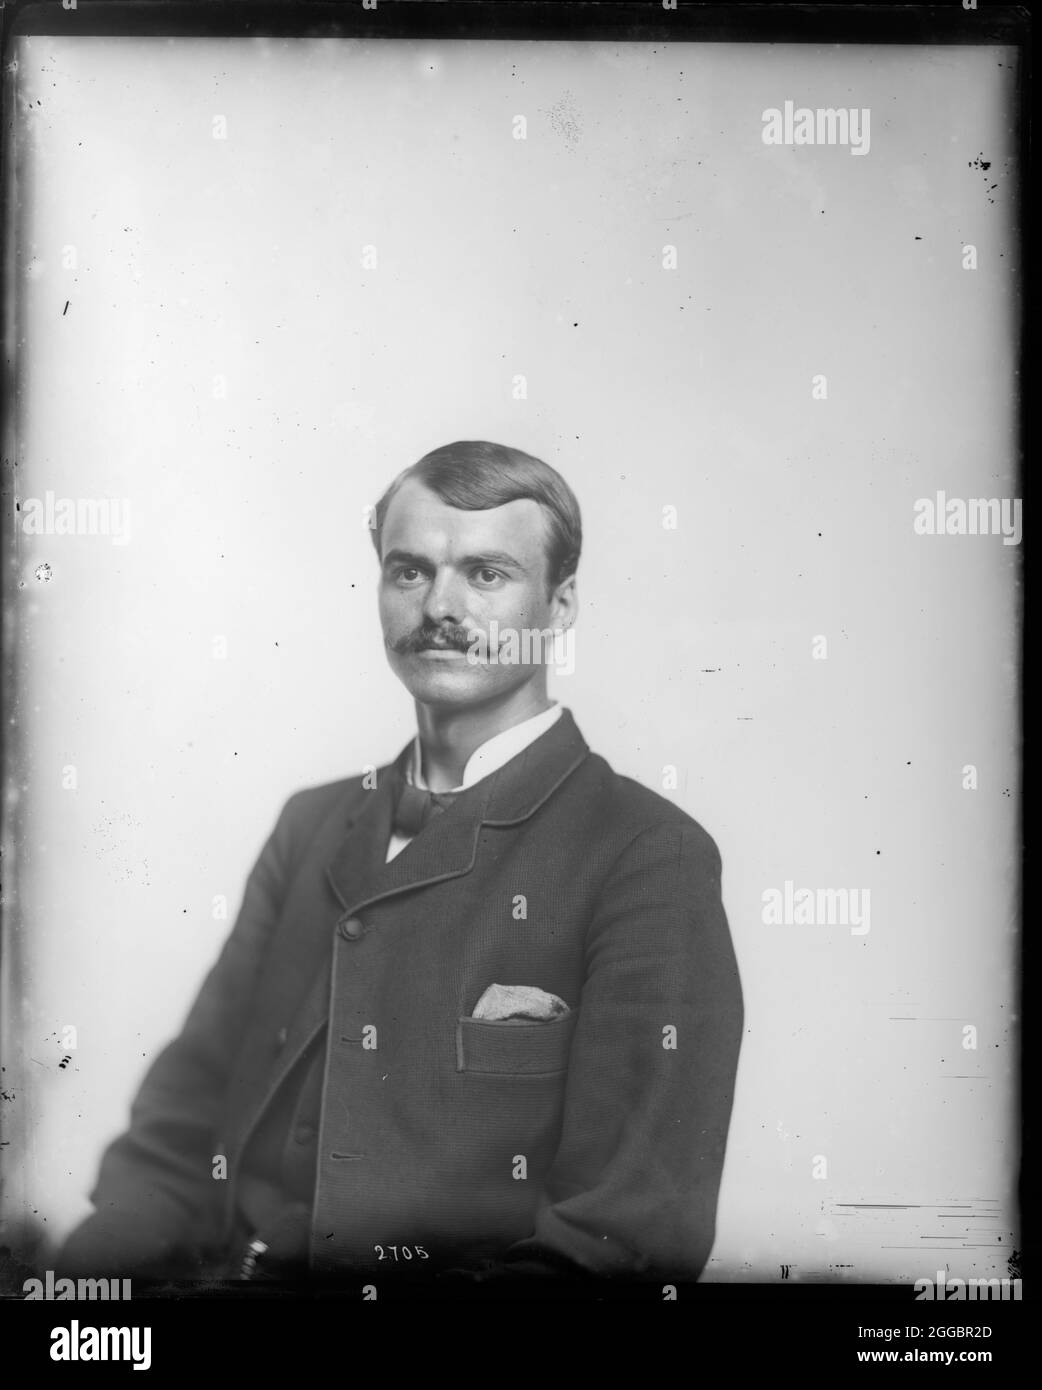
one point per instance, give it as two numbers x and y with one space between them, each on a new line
487 576
407 574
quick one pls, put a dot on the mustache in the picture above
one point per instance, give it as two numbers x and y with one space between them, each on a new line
431 636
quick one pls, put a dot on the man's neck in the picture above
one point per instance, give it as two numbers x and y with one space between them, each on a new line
449 737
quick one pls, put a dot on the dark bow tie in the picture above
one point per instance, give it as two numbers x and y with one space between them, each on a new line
415 808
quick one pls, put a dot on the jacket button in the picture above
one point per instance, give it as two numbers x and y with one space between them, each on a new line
281 1036
303 1134
350 928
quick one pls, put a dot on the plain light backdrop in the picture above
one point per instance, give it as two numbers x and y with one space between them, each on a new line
220 350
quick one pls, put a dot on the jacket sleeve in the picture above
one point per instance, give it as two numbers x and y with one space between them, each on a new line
155 1199
633 1188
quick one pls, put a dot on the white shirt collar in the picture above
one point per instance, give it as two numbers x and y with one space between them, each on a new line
494 752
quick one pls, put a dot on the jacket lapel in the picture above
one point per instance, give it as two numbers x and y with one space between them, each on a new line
447 846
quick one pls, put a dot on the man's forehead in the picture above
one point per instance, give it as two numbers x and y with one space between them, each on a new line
418 519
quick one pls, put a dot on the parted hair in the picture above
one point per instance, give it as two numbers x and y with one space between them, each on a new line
475 475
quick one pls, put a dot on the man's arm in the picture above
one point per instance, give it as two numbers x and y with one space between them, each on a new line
155 1199
633 1188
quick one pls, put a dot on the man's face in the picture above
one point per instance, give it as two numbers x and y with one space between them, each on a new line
445 575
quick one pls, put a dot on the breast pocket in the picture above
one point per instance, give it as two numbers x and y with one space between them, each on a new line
514 1047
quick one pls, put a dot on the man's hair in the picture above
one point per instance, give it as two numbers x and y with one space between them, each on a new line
474 475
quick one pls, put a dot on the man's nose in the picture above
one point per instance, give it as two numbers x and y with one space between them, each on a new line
445 601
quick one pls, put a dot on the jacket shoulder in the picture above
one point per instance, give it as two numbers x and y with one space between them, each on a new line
309 807
631 809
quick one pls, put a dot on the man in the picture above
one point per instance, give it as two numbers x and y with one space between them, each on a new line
479 1015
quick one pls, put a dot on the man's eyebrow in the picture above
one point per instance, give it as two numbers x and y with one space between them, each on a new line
491 557
404 557
486 557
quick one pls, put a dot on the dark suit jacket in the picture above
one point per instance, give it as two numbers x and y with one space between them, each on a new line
594 1142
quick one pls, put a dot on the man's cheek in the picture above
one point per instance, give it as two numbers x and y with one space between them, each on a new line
397 616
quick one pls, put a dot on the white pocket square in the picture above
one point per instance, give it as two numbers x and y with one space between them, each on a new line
519 1002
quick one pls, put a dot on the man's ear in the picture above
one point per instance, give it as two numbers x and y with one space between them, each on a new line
564 606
